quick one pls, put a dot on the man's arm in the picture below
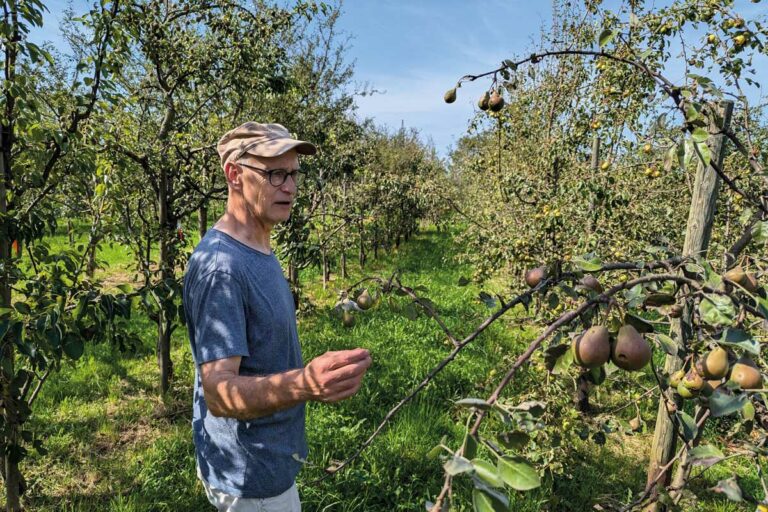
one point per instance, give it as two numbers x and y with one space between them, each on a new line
330 377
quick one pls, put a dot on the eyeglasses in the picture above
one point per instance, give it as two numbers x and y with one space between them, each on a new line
278 176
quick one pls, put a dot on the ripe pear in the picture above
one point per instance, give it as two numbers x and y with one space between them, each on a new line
746 374
348 319
685 392
593 348
495 102
693 381
364 300
676 378
635 423
715 365
630 352
482 103
591 283
534 276
450 95
735 275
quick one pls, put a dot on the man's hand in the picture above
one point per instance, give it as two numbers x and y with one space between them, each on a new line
335 376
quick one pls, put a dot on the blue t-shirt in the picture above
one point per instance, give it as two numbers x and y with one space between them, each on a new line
238 303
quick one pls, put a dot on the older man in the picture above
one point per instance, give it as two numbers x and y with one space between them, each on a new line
250 383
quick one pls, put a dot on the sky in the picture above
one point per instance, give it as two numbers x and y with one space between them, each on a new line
412 51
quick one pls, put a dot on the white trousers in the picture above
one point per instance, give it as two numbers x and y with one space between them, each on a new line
285 502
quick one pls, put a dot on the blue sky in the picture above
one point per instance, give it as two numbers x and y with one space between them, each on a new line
414 50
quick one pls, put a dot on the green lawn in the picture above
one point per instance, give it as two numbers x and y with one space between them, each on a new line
114 445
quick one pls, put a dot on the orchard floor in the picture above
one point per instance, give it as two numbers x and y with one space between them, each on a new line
114 445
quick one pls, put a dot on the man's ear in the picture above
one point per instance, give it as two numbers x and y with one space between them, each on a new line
233 174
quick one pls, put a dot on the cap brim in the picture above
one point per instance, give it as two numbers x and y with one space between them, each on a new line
279 146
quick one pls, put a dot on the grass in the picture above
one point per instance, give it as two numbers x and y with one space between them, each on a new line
114 445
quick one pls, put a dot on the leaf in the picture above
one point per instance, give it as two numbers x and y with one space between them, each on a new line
463 281
487 472
717 309
699 134
553 355
729 487
484 502
434 452
588 262
488 300
634 21
606 36
638 323
667 344
513 440
518 473
477 403
535 408
73 347
689 426
705 455
457 465
740 339
723 404
22 307
760 232
704 153
470 446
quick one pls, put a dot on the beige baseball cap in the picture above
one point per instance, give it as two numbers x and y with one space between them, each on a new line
261 140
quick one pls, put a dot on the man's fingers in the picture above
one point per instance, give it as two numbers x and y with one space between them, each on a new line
346 357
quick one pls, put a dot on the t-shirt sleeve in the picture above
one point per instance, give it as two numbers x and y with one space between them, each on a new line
219 313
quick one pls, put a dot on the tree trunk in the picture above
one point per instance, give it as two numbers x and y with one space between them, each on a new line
361 253
202 220
343 264
11 474
697 237
166 272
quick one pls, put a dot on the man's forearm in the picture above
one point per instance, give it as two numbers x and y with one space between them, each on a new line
248 397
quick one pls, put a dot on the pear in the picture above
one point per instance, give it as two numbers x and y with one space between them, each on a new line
735 275
591 283
364 300
630 352
693 381
496 101
715 365
450 95
685 392
750 283
534 276
348 319
676 378
746 374
482 103
593 348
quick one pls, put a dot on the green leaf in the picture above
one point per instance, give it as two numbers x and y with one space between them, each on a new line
723 404
760 232
705 455
513 440
740 339
470 446
457 465
73 347
699 134
606 36
463 281
588 262
667 344
689 426
518 473
717 309
477 403
434 452
22 307
488 300
487 472
484 502
638 323
704 153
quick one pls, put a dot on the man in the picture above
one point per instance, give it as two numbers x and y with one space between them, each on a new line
250 382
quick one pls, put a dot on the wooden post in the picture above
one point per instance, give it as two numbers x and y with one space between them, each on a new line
697 237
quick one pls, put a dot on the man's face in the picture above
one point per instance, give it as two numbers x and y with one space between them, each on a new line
266 203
